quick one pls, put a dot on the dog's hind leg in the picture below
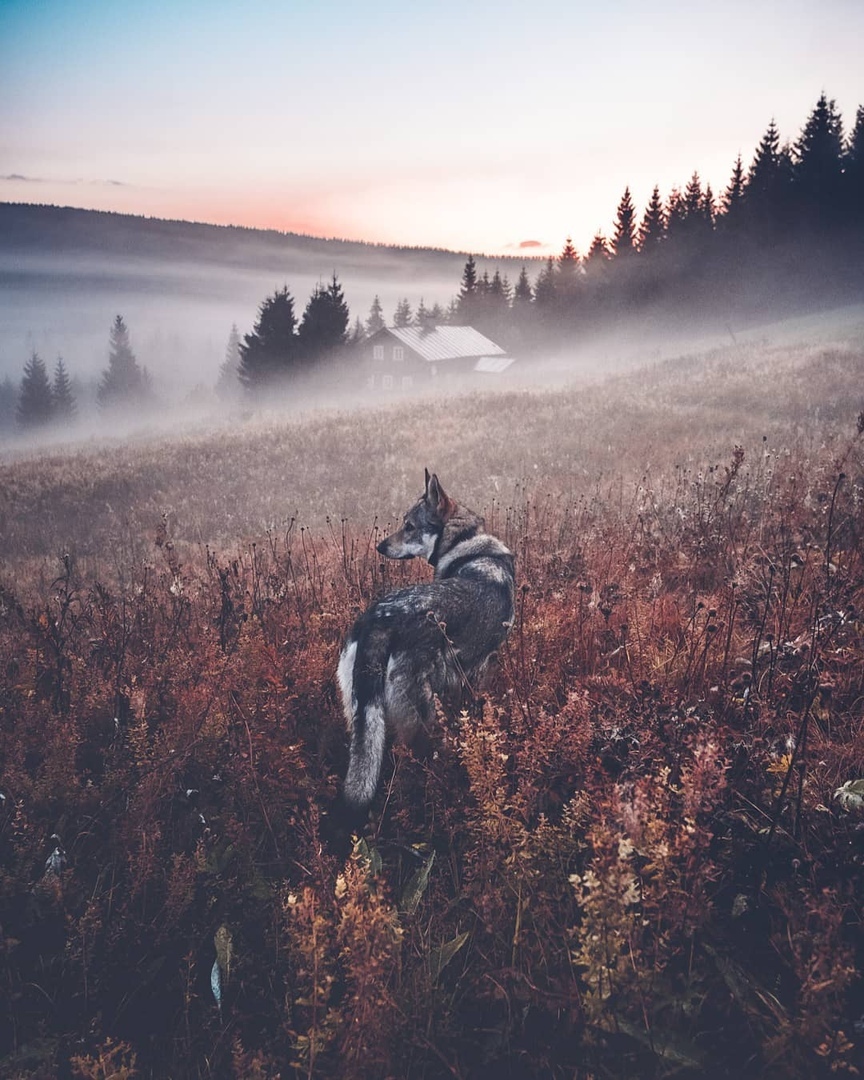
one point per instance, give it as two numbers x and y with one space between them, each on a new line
408 697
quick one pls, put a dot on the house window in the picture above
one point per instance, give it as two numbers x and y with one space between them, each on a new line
398 352
407 382
387 382
377 352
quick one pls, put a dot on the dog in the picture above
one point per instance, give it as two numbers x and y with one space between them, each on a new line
424 640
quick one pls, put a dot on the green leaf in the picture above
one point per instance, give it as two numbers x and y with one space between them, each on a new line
440 958
417 885
370 857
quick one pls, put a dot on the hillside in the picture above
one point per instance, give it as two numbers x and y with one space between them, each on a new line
637 851
65 274
253 474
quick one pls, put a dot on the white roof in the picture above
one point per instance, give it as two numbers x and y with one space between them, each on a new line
447 342
493 365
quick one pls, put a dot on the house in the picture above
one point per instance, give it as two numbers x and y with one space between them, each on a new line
413 357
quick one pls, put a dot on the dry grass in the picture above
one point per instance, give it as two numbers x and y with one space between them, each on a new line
639 864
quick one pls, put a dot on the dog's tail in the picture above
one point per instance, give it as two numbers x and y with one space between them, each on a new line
368 722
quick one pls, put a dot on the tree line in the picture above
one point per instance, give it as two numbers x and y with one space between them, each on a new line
124 384
787 229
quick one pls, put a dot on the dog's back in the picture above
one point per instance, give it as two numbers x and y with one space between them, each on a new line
426 640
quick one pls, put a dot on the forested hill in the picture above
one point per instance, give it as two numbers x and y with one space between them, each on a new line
30 229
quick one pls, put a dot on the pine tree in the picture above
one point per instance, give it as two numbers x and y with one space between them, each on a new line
767 192
437 315
708 208
693 197
269 353
731 202
762 174
421 316
500 290
598 255
8 402
676 215
35 403
323 330
624 240
697 214
523 294
358 334
124 383
568 276
402 316
652 231
61 394
546 287
466 301
853 170
375 322
228 384
818 163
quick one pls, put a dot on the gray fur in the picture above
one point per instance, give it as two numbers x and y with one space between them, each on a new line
426 640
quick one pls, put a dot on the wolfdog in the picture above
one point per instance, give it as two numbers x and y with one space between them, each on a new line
425 640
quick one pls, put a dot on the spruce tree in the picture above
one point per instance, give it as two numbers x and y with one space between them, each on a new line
624 239
767 193
598 255
731 201
323 330
8 402
523 293
124 383
403 315
675 215
375 322
228 384
500 289
692 197
61 394
421 316
269 353
358 333
35 403
818 158
708 208
466 301
853 170
568 274
546 287
652 231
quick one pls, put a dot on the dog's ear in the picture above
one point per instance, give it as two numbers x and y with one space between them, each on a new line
438 500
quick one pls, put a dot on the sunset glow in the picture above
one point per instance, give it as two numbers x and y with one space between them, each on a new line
474 128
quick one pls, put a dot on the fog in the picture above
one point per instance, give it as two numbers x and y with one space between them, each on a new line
179 315
65 275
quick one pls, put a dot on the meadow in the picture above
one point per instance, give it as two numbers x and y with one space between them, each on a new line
639 851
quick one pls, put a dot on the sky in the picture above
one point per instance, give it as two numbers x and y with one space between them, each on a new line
498 128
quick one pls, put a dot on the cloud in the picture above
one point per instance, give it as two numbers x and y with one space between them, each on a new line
528 246
19 178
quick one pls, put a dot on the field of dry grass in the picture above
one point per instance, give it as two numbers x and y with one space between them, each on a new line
627 859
